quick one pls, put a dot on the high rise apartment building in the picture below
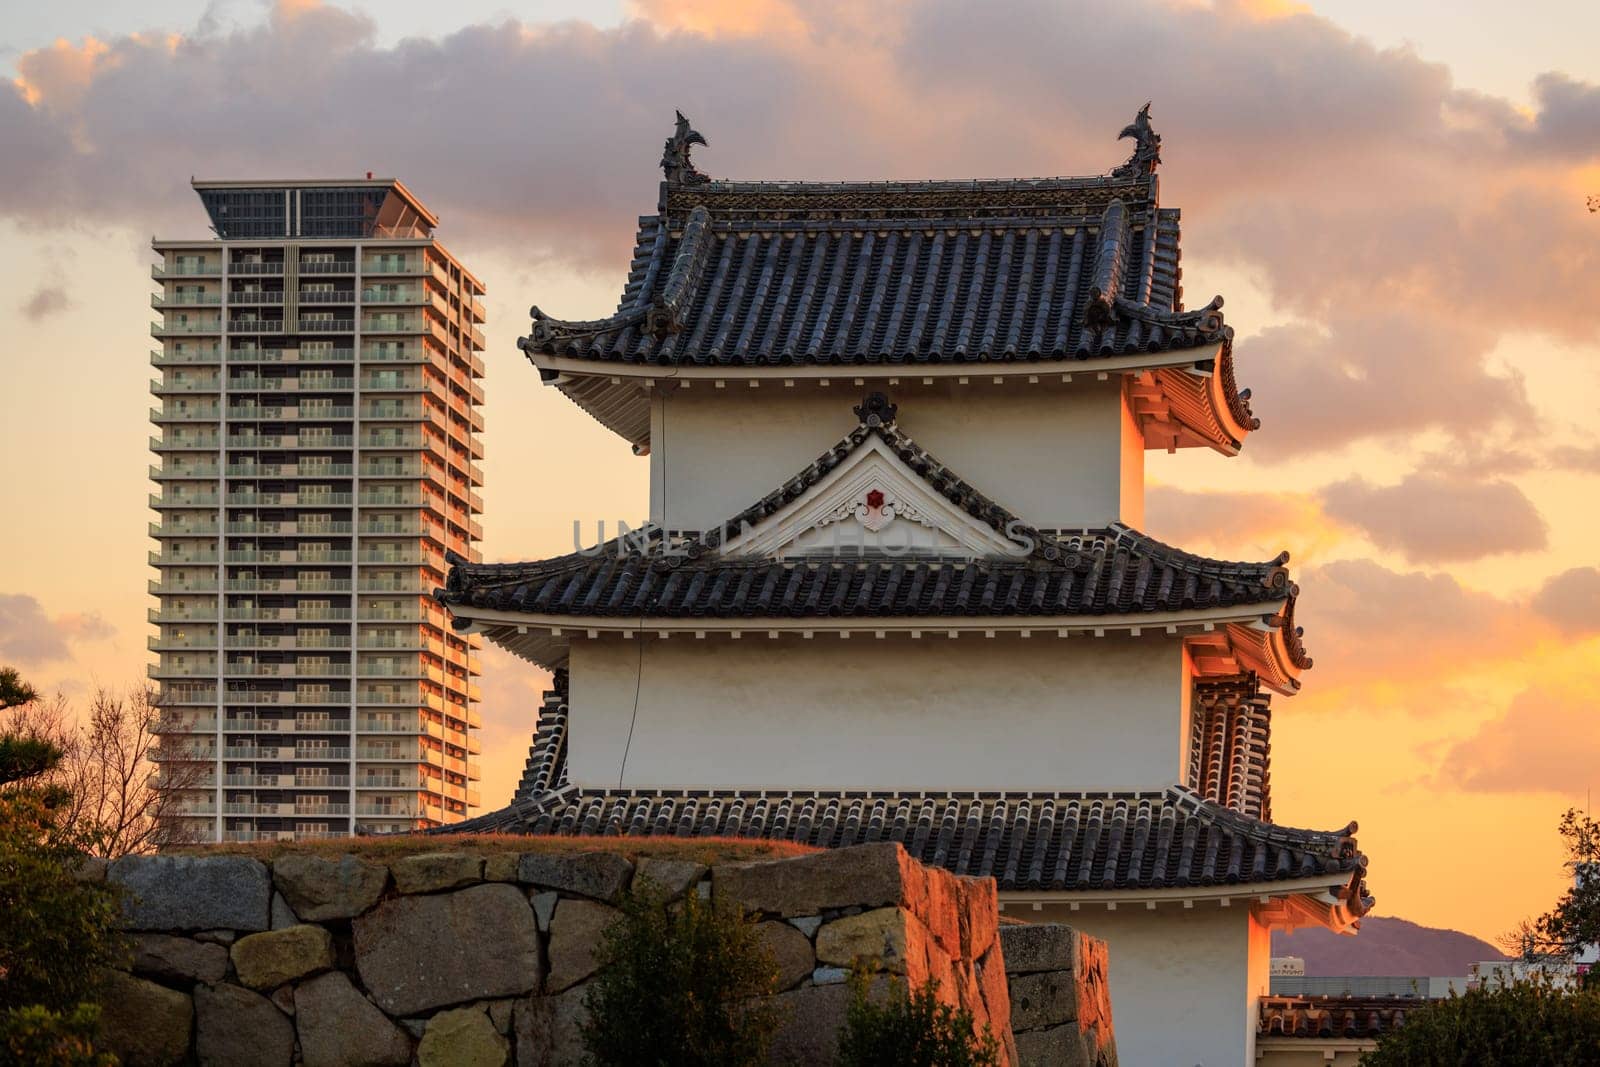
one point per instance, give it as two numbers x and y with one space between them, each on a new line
317 445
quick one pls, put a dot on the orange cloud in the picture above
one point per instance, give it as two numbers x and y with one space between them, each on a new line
1439 519
60 76
718 18
1544 742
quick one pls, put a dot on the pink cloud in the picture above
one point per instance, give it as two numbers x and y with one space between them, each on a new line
1545 741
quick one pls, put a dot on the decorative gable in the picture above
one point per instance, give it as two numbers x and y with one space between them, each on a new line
872 503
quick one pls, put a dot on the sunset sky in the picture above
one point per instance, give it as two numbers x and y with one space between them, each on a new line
1391 197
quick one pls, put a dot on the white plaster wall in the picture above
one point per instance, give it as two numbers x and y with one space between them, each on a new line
1180 979
1057 455
897 713
1132 471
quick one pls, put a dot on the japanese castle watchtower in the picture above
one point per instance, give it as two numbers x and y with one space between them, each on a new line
894 586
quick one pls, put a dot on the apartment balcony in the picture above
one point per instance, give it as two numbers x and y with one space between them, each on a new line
382 469
410 265
373 295
174 474
161 501
288 529
288 585
183 388
286 642
265 385
256 326
161 301
175 724
303 696
246 267
246 836
255 296
380 382
160 272
400 811
284 470
395 353
180 644
196 754
285 755
258 413
186 358
302 355
389 498
288 556
395 725
168 587
286 670
291 809
395 585
399 529
300 614
194 413
287 726
336 266
410 558
159 559
169 527
286 781
389 781
187 695
158 616
337 296
185 329
327 326
370 613
258 442
301 499
378 324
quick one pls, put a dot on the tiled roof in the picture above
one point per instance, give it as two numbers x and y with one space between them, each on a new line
546 768
1115 570
742 275
1026 841
1332 1017
849 289
1231 743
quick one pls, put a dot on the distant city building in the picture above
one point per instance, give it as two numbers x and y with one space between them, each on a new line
895 587
318 455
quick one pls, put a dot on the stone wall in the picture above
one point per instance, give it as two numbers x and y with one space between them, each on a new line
1060 1002
464 958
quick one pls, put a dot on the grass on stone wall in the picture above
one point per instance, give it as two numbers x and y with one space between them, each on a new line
707 850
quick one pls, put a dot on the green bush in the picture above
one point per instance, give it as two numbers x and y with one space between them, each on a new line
38 1037
910 1030
1525 1024
679 986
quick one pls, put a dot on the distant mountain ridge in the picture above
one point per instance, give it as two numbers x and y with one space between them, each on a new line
1388 947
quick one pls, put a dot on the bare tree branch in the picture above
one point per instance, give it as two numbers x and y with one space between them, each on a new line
120 795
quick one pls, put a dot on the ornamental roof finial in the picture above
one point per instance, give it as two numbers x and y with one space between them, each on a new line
875 410
1146 147
675 161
